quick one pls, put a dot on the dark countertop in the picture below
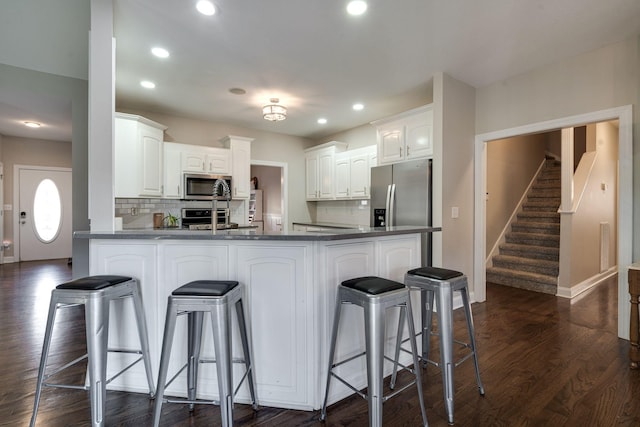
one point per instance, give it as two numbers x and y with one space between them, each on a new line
329 225
252 234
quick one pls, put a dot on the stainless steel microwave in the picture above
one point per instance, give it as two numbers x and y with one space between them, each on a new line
199 186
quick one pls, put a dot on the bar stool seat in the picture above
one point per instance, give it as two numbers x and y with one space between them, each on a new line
374 295
96 294
442 282
194 299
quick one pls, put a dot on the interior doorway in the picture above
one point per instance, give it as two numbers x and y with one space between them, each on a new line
271 179
625 203
43 218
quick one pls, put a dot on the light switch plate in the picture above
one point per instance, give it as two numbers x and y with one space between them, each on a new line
454 212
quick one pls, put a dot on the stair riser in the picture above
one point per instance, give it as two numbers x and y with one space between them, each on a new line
531 254
551 241
522 284
535 227
547 217
539 269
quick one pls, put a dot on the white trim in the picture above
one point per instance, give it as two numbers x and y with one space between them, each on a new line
585 285
624 115
16 201
8 260
285 188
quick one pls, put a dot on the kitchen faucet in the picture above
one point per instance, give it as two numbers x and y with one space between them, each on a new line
226 192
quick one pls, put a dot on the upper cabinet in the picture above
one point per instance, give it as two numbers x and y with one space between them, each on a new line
352 173
206 160
172 171
138 156
406 136
240 165
320 164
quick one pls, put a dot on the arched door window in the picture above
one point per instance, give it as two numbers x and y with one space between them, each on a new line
47 211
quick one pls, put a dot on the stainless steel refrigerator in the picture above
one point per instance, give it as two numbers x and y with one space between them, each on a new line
401 195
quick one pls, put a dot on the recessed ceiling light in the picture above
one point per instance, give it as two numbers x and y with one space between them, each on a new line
322 121
205 7
147 84
358 106
237 91
160 52
32 124
356 7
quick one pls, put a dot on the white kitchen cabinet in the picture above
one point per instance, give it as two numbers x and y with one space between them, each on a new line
342 175
320 166
352 173
206 160
138 153
172 171
405 136
240 165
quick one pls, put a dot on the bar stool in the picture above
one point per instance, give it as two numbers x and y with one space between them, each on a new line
194 299
96 294
442 283
374 295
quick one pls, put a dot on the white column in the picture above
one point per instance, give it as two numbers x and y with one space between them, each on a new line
101 111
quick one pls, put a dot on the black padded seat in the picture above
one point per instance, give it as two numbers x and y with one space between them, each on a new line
93 283
435 273
206 288
372 285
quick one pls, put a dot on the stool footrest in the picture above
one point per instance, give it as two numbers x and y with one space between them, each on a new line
192 402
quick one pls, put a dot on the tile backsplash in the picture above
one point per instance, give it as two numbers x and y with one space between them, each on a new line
349 212
138 213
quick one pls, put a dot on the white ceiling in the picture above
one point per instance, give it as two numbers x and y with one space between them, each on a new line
309 53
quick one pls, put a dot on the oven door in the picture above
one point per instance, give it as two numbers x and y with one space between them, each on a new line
200 186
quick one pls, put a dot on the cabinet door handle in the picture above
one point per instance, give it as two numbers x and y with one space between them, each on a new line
400 151
408 151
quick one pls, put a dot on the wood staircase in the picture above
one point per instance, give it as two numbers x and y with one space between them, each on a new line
529 259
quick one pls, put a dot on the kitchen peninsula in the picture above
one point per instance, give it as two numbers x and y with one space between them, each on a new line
290 281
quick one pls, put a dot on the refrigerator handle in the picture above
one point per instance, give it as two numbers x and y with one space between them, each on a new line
392 205
387 211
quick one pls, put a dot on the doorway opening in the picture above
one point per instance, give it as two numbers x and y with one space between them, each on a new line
625 201
270 180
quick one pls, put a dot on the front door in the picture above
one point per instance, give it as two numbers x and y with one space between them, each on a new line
44 222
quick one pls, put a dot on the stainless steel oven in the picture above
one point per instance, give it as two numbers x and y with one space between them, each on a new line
199 186
195 218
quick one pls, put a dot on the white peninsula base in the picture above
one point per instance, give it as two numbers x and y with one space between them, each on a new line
290 297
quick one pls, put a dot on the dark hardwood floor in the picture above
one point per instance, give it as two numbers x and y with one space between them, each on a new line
544 361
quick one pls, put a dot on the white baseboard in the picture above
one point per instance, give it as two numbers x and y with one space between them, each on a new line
584 286
8 260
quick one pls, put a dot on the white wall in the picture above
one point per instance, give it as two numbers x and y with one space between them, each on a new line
511 165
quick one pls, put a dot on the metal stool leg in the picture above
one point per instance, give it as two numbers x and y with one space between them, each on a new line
426 313
144 336
242 324
53 308
414 352
332 350
167 342
472 336
374 333
222 341
401 320
445 324
97 329
194 338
